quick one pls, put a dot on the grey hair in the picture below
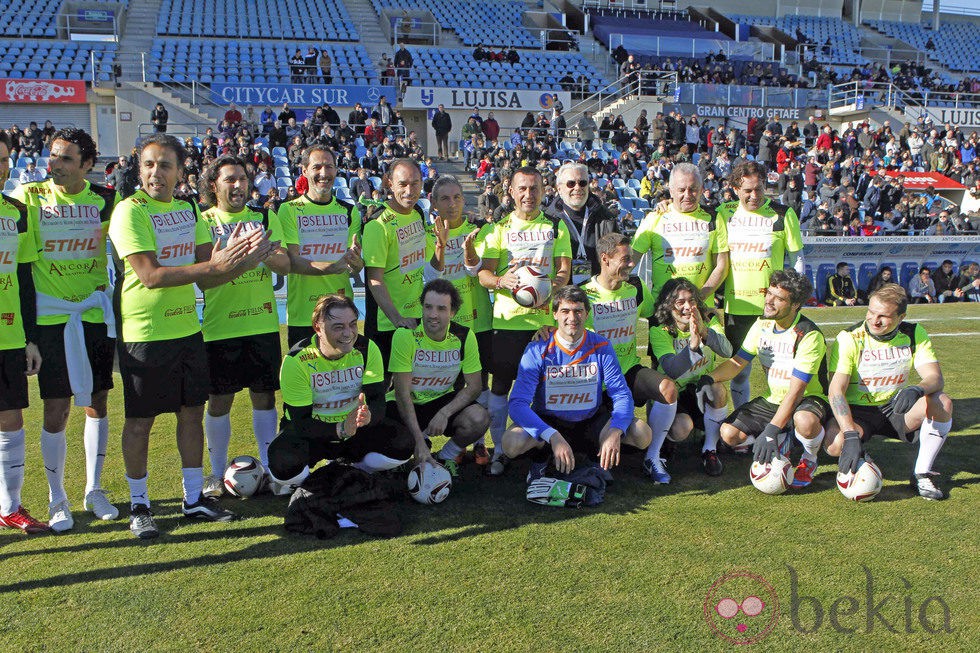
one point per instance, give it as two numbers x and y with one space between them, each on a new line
567 168
686 168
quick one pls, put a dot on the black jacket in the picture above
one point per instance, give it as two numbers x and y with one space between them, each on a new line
601 222
335 488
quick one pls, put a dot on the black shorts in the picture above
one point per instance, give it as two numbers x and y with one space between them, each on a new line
508 349
737 327
880 420
425 412
583 436
752 418
13 380
291 451
484 340
383 340
163 376
53 380
295 334
245 362
687 403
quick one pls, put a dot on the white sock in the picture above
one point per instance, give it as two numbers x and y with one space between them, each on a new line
96 438
296 480
137 490
376 462
497 407
450 450
12 455
741 387
54 451
932 436
713 417
265 423
811 447
218 433
484 398
193 482
661 417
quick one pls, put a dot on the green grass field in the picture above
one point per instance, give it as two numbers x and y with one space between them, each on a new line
488 571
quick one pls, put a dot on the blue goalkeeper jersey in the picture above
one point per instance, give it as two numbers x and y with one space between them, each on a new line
555 382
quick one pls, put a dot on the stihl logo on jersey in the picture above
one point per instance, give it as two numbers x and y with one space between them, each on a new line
176 251
7 258
683 252
71 245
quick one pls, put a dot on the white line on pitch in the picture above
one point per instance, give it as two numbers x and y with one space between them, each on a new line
921 319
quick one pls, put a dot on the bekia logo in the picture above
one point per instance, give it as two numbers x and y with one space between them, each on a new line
428 97
743 608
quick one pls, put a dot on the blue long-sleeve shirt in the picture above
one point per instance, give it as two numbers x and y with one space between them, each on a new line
568 385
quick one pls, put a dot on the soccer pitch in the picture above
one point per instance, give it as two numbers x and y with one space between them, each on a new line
646 571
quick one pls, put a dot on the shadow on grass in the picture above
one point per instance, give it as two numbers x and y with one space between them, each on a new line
478 506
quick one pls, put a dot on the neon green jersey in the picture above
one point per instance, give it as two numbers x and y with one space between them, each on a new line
330 387
758 242
662 343
70 231
435 365
171 230
17 245
539 243
615 314
795 352
246 305
475 312
879 370
681 245
395 242
323 233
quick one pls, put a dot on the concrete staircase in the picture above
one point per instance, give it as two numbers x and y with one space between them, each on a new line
137 37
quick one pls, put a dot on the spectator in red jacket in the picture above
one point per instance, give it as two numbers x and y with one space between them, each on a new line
869 228
784 157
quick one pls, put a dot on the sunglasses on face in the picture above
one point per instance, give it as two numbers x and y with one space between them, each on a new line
572 183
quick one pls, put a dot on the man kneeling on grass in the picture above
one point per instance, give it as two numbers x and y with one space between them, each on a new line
557 402
427 365
333 397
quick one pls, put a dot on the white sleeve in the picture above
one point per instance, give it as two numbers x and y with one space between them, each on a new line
798 263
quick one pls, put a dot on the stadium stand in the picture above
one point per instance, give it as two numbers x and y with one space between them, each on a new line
222 61
837 41
650 37
324 20
953 46
488 22
36 18
57 60
536 70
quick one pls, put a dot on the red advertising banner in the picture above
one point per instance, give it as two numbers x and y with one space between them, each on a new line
42 91
922 180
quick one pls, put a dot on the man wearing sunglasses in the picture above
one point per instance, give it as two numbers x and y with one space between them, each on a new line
586 217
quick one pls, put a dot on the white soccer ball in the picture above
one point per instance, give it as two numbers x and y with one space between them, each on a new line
773 477
429 483
862 485
244 476
533 287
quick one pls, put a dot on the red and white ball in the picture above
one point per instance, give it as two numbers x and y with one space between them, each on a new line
773 477
862 485
429 483
533 287
244 476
